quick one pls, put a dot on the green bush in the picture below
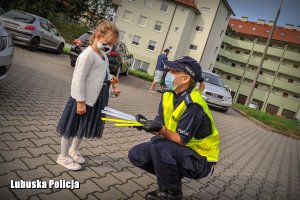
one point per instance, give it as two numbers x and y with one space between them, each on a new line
69 31
141 75
287 126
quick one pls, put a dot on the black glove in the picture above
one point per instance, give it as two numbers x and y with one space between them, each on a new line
152 126
142 119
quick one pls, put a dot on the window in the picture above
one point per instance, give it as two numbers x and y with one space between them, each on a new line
176 29
204 10
221 33
237 52
261 72
158 26
241 38
290 80
199 28
233 64
148 3
164 7
142 21
44 24
282 34
284 94
246 52
151 45
52 29
193 47
240 26
218 59
138 64
237 78
228 77
127 16
296 96
121 34
222 46
136 40
267 31
256 85
253 29
295 66
170 48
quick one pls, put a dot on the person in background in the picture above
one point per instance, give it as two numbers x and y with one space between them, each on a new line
159 71
90 90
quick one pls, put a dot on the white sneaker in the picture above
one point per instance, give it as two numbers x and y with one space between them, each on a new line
68 163
77 157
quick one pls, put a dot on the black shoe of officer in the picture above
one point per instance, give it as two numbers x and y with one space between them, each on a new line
164 195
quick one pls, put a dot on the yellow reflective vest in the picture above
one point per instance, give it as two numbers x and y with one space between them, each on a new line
208 146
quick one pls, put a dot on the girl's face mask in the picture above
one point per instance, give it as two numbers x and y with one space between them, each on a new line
104 48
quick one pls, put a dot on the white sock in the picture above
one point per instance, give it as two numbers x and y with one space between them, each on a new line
65 146
75 144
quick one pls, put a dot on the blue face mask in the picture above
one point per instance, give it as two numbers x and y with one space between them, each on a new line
169 79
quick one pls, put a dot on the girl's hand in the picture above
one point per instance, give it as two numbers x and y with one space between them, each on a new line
116 91
81 108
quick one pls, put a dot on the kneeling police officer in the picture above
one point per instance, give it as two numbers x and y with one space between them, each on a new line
187 141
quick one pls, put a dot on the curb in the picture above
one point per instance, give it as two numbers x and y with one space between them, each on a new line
269 128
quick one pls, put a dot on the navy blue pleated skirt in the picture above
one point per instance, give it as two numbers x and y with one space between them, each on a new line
88 125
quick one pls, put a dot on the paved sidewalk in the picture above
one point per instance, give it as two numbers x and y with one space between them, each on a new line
255 163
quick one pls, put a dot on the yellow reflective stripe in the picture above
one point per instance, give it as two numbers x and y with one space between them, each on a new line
118 120
128 125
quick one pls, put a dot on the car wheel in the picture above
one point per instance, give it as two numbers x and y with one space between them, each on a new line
34 44
73 62
60 49
225 110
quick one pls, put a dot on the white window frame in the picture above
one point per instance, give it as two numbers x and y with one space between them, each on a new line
145 21
204 10
161 26
193 46
120 31
125 20
152 45
138 42
200 30
164 4
131 67
146 5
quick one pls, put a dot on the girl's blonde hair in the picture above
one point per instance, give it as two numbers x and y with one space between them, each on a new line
104 27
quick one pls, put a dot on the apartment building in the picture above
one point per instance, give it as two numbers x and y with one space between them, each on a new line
278 87
187 27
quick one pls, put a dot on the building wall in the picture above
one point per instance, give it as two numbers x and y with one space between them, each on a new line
215 37
278 85
183 17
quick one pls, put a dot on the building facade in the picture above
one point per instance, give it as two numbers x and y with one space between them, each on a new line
187 27
278 87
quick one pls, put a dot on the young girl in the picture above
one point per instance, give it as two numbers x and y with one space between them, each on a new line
89 95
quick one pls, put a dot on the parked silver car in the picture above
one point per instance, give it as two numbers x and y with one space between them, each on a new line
253 105
32 31
215 93
6 52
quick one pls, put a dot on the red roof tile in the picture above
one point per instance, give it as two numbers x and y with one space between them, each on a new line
189 3
263 30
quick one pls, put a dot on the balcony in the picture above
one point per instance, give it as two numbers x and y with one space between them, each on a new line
272 66
238 43
229 69
271 50
268 80
292 56
233 56
287 86
289 71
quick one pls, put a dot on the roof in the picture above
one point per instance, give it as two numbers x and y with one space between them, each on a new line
263 30
190 4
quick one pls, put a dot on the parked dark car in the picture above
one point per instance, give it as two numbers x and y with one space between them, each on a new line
119 57
6 51
32 31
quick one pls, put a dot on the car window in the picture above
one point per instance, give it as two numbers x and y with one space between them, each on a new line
212 79
52 28
44 24
85 37
20 16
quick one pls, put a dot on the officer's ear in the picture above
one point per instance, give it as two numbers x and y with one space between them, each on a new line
187 79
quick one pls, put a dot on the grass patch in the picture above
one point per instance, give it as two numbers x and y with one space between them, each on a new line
66 50
288 126
141 75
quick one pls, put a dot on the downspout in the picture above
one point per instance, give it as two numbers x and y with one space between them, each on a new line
169 28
